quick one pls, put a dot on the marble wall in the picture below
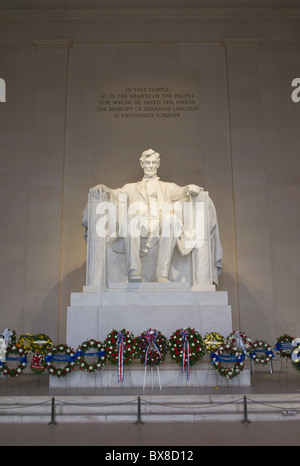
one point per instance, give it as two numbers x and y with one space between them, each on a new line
241 142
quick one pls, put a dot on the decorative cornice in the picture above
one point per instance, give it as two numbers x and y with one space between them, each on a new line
242 44
52 46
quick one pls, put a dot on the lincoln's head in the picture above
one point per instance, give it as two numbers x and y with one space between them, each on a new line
150 161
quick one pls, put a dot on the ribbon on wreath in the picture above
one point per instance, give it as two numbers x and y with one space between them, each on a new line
185 352
150 337
120 340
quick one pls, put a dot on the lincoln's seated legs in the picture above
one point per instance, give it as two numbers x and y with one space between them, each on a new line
169 229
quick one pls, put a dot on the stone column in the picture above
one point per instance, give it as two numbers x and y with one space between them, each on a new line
44 231
253 248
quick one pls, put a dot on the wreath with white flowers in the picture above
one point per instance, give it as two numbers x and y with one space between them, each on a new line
213 341
60 353
284 346
113 342
83 351
228 353
20 355
9 336
295 354
261 352
186 346
240 340
151 347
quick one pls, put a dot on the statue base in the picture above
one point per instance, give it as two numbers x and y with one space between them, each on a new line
137 307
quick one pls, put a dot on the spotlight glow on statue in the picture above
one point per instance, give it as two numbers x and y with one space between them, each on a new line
164 213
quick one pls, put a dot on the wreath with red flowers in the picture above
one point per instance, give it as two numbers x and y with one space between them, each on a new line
261 352
186 345
112 345
284 346
240 340
152 347
228 354
20 356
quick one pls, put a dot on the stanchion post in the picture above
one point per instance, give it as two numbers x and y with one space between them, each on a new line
245 420
52 422
139 412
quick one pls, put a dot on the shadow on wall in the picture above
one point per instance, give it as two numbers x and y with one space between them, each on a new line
251 313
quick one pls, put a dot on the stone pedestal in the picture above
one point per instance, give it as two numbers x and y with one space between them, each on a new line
137 307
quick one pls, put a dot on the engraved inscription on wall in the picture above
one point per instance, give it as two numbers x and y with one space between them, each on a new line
147 102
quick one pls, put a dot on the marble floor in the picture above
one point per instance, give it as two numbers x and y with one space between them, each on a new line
111 436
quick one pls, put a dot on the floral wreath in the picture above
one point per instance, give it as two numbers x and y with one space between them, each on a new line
25 341
240 340
9 336
295 354
82 353
186 347
60 353
284 346
38 364
228 353
120 347
261 352
41 343
151 347
212 341
20 356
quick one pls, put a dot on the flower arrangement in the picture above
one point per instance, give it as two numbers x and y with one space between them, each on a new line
120 347
228 353
114 340
41 343
261 352
25 341
186 347
60 353
240 340
38 364
83 351
213 341
151 347
20 355
284 346
9 336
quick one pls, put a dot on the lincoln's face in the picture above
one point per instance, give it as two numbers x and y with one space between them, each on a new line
150 165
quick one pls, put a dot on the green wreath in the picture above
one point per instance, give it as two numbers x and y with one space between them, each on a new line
295 354
41 343
60 353
284 346
20 355
228 354
261 352
178 346
25 341
151 347
112 344
213 341
83 351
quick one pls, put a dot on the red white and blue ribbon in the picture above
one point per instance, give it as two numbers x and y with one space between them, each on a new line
150 336
185 352
120 340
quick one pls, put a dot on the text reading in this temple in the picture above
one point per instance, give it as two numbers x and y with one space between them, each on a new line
147 102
